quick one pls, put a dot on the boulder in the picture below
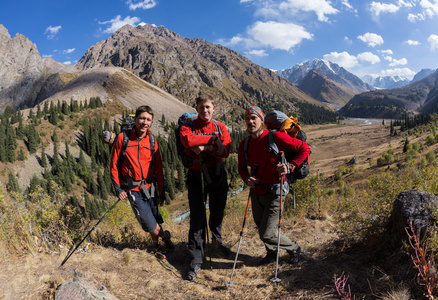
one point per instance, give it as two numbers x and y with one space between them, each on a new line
83 289
416 206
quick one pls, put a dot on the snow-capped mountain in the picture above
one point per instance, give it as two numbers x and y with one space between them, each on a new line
333 71
385 82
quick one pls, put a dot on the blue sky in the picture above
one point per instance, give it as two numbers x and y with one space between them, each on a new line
391 37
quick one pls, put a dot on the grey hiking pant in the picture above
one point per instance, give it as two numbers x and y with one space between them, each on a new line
265 211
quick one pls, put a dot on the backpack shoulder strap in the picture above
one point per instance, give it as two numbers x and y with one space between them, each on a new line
245 148
152 142
125 142
272 147
218 129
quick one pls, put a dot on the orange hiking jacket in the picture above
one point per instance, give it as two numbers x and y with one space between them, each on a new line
138 164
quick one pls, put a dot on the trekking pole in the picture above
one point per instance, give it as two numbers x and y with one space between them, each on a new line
71 252
240 240
204 199
229 284
276 279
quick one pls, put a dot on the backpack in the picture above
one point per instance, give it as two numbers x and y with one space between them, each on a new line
128 123
188 118
279 121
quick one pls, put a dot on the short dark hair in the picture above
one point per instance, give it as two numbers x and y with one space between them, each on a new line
204 98
144 108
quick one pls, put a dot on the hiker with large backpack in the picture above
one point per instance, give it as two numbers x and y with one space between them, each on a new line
137 174
268 184
206 143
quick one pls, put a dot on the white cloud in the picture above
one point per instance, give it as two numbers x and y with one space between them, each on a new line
347 40
371 39
398 62
320 7
388 58
68 51
387 51
118 23
406 72
67 63
144 4
47 55
347 4
433 41
411 42
276 35
257 53
429 9
416 17
51 32
344 59
377 8
368 57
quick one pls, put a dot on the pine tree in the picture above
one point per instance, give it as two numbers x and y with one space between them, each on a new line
13 184
181 178
405 146
21 156
11 144
43 158
102 185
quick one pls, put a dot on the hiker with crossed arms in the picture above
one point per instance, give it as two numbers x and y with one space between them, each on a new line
138 176
207 142
265 184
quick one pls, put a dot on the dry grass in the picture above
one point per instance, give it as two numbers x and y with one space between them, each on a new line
375 270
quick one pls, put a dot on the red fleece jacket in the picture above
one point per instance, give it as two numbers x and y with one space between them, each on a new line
267 162
192 139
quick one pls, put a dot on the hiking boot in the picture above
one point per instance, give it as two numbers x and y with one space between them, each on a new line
271 256
154 247
167 242
221 248
294 256
193 271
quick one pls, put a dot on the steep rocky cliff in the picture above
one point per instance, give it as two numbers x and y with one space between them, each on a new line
25 77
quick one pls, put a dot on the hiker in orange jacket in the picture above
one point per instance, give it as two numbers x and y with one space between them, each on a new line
265 183
138 175
207 142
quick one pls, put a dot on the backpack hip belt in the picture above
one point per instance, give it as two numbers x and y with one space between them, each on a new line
131 184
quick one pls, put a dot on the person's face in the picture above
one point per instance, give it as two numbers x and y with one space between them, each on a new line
205 110
253 123
143 122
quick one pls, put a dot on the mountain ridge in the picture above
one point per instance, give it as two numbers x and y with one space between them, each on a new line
185 67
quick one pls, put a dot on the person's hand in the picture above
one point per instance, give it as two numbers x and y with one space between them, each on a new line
199 149
123 195
220 146
161 201
282 169
252 181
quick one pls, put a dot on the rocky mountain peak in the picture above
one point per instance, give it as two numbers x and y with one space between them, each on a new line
4 34
23 73
184 67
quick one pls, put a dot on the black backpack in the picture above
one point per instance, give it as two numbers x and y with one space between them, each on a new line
274 121
188 118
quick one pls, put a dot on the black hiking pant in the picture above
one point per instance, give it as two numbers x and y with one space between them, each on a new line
217 199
